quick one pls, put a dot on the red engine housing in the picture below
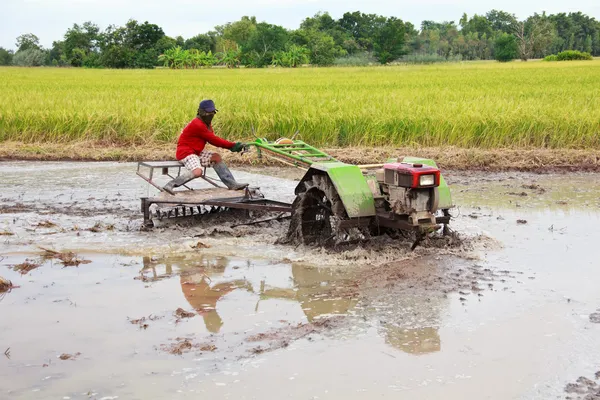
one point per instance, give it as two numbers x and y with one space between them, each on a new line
408 175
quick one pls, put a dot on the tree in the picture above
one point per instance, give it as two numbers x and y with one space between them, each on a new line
28 41
6 56
134 45
362 27
203 42
587 44
142 36
479 24
501 20
57 54
266 40
82 38
506 48
293 57
30 57
239 31
389 41
77 57
533 36
115 56
165 43
320 22
321 46
324 23
231 58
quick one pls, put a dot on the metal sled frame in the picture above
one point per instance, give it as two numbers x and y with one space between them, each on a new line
164 167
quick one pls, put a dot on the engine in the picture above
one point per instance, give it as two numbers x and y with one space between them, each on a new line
410 190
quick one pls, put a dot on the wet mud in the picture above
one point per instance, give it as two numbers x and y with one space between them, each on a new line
584 388
211 307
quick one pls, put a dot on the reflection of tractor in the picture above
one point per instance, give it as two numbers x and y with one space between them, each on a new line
320 292
316 290
414 341
335 202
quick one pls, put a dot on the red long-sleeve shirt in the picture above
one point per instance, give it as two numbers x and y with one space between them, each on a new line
194 137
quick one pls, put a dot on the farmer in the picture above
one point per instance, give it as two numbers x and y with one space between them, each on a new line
190 150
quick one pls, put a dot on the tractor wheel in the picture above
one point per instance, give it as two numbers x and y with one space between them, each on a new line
316 214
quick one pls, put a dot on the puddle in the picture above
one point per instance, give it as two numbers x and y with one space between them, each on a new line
191 310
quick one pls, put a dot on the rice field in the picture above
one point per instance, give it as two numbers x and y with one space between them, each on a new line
476 104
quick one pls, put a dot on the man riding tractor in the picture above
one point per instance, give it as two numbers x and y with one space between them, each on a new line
190 150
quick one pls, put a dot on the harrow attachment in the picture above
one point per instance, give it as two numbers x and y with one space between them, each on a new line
198 202
185 211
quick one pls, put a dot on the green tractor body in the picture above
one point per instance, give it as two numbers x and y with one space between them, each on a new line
335 199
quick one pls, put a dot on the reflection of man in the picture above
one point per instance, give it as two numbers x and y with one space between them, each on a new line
203 298
413 341
197 289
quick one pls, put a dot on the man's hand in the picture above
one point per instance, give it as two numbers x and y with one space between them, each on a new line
239 146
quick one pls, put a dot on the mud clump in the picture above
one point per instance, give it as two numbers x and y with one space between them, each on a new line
185 345
5 285
429 275
583 389
200 245
180 313
27 266
68 259
537 188
99 227
45 224
142 322
282 337
595 318
66 356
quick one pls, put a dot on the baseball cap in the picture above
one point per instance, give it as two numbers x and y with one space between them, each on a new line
208 105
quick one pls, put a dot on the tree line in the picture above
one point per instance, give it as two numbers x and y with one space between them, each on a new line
354 39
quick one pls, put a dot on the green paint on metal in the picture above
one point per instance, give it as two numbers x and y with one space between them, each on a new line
352 187
443 190
374 185
298 151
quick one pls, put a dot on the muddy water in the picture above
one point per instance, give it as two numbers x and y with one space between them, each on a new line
508 313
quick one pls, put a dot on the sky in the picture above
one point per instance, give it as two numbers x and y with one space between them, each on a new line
50 19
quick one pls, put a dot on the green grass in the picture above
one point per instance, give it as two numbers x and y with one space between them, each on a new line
477 104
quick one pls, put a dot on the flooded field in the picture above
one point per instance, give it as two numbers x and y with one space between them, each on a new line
100 309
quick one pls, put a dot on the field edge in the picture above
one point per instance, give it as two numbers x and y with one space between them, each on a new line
455 158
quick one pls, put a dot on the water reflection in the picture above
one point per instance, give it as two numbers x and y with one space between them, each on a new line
202 292
318 291
414 341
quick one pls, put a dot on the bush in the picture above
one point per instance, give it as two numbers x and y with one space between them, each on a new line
569 55
29 58
506 48
428 59
355 60
6 56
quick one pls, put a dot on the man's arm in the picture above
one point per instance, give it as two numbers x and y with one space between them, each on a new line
213 139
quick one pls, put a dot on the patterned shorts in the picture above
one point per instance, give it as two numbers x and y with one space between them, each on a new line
193 161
